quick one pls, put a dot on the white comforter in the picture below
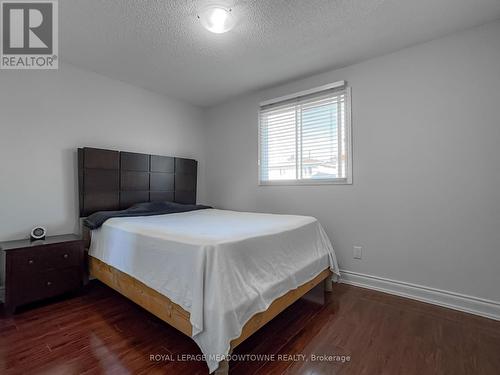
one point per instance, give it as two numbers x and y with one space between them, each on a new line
221 266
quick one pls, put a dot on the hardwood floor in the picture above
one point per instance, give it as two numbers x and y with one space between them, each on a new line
100 331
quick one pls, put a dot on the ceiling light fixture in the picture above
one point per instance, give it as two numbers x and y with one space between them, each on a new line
217 18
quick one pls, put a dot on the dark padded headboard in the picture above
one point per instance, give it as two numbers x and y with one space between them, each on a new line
113 180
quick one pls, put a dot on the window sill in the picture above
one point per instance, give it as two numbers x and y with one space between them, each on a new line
342 181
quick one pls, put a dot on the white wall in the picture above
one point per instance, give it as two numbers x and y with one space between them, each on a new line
46 115
425 203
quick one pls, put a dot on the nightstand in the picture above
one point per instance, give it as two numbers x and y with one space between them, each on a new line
41 269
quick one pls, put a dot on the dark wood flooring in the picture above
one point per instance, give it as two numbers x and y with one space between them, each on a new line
100 331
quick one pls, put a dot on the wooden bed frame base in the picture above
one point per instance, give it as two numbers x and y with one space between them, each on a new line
173 314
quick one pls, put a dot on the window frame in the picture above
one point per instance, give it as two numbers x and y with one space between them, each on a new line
348 129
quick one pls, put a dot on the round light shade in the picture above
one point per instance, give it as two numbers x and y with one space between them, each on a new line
217 19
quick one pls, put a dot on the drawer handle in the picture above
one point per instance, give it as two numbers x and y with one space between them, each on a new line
49 283
31 261
65 256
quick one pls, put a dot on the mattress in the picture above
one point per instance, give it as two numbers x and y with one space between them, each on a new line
221 266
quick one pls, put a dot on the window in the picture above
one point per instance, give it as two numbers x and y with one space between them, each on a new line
305 138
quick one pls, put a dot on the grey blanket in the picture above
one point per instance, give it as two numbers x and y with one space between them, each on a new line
97 219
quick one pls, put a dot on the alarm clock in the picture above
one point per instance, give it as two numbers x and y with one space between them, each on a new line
37 233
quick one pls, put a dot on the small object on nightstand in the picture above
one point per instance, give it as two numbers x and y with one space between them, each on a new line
38 233
41 269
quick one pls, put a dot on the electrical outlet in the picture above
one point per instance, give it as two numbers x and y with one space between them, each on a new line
357 252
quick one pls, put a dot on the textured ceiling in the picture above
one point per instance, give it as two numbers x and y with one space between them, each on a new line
160 44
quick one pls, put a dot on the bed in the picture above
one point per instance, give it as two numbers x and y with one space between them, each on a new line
215 275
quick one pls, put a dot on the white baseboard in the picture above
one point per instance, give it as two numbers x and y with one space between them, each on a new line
469 304
2 293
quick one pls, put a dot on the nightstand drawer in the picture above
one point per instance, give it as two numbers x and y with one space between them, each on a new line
50 283
27 261
48 257
62 256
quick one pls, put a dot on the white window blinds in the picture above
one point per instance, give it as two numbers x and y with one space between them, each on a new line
305 137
